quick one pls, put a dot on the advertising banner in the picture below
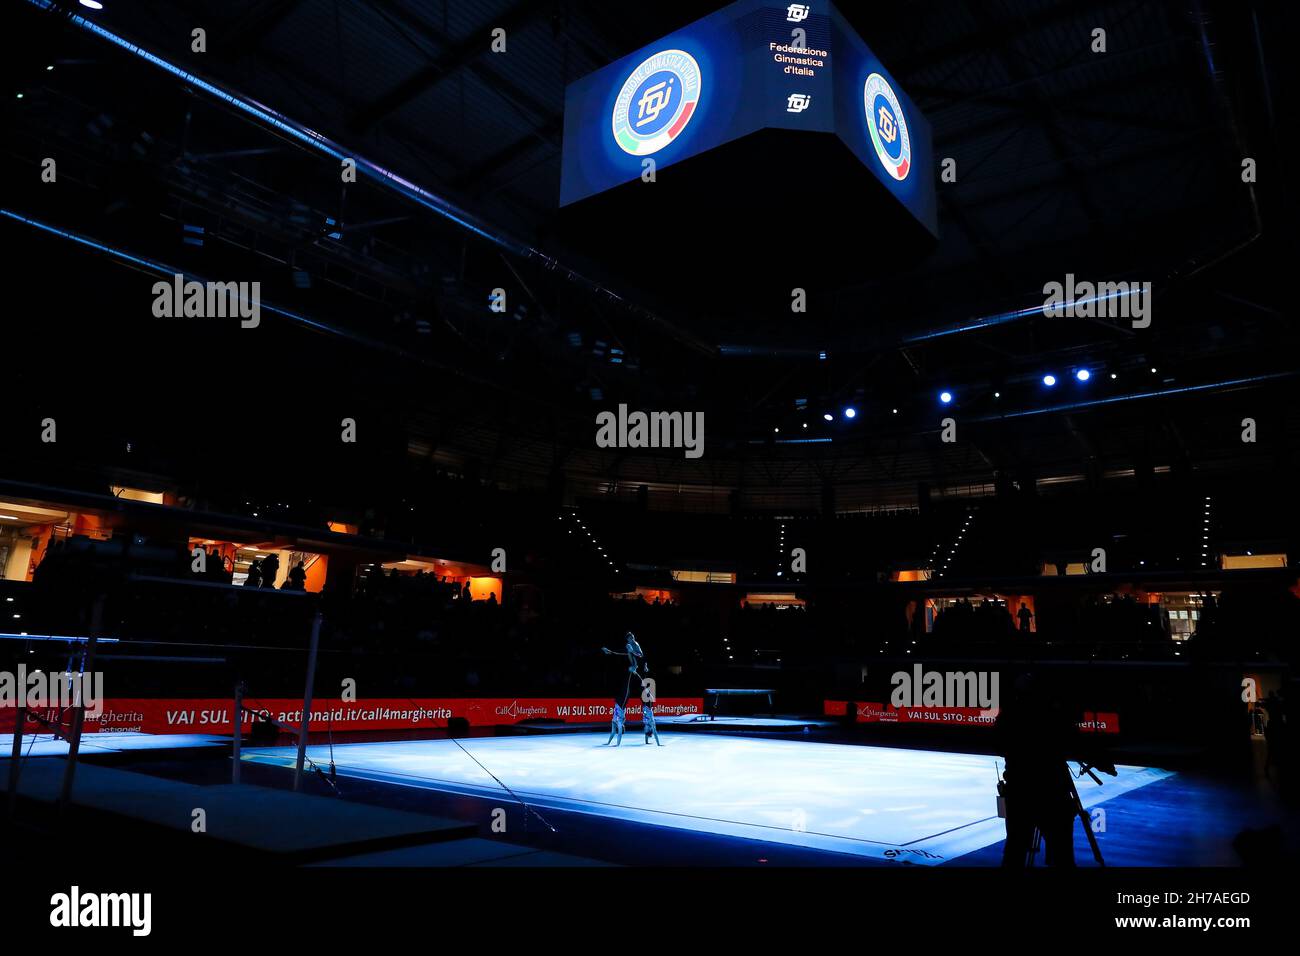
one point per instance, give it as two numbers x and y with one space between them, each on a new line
213 716
1096 722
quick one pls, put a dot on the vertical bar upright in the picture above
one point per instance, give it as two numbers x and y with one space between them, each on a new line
15 755
79 710
306 702
236 723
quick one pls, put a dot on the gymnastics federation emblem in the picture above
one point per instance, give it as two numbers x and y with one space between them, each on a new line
888 126
656 102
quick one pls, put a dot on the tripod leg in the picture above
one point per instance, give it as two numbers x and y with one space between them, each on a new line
1087 831
1087 825
1034 845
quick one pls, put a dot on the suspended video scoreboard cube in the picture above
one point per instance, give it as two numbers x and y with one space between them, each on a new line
776 136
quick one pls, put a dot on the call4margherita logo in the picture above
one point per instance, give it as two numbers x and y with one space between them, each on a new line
888 126
656 102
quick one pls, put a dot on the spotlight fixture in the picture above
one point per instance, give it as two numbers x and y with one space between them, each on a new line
1083 375
1049 380
829 417
850 412
945 397
92 4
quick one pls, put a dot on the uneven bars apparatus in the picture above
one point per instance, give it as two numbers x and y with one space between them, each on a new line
74 736
236 720
237 716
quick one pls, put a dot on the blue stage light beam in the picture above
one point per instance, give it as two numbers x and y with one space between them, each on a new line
315 141
165 271
1231 384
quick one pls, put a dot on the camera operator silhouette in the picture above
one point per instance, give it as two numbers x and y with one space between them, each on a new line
1036 735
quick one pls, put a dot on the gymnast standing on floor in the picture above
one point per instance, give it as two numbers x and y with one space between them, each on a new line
637 667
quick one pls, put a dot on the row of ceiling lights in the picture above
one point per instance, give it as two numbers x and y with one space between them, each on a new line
1049 380
591 539
947 396
952 552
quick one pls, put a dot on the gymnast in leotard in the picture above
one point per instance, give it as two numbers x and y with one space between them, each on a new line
639 668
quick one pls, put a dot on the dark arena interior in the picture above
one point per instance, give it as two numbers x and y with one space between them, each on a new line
444 437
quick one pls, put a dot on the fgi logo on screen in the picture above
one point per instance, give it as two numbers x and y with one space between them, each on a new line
888 126
656 102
